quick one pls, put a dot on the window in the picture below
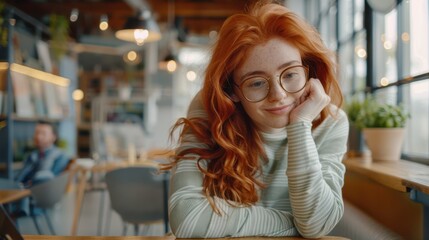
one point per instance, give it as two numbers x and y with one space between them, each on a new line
385 46
397 46
418 36
417 139
401 73
345 23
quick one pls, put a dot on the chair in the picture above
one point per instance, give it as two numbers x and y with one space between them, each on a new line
45 195
138 195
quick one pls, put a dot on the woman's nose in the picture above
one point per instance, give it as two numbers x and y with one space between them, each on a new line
276 92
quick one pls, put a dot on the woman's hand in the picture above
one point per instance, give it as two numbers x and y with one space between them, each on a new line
311 102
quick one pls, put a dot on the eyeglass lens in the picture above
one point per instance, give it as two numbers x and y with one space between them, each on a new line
292 80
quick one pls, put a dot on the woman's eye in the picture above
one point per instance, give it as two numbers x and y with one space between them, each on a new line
255 83
290 76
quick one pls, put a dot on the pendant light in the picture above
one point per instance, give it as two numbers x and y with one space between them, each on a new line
140 29
170 62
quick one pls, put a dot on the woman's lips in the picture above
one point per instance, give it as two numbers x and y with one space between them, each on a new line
279 110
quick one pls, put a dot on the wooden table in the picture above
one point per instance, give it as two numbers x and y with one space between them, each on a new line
10 195
43 237
401 175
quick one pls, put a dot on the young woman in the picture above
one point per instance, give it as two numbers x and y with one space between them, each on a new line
261 148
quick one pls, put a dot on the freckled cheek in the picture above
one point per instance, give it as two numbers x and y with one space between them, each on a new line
297 95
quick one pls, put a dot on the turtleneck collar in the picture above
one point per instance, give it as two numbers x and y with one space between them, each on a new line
276 136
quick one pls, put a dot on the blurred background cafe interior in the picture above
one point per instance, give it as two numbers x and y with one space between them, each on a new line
113 97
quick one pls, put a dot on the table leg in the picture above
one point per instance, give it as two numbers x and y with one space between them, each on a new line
422 198
80 191
165 184
426 222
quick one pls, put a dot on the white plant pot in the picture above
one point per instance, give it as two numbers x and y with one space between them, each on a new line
384 143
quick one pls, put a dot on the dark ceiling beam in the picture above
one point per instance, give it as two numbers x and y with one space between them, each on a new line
199 16
192 8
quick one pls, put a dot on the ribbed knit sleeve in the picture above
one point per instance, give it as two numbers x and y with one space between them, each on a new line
191 215
316 175
312 192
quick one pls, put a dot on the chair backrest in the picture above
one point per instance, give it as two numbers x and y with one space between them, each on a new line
47 194
137 193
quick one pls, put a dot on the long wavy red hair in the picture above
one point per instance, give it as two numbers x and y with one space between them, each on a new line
233 145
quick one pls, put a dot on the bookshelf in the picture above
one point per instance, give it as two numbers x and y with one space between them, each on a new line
28 93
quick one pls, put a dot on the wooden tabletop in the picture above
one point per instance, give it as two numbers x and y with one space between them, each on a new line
420 183
44 237
10 195
400 175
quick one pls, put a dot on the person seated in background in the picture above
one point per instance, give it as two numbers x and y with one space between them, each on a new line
46 161
43 163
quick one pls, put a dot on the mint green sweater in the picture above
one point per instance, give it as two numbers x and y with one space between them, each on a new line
304 177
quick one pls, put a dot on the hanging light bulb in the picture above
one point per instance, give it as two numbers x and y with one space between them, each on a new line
191 76
74 15
132 58
140 29
104 22
169 63
171 66
140 36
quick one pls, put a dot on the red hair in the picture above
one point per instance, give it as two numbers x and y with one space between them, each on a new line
233 145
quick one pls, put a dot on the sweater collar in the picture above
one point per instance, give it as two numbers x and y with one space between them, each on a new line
277 136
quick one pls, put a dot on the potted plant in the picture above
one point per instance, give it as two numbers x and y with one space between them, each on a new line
59 28
382 126
355 141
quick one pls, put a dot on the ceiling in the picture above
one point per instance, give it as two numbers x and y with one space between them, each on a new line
192 21
197 17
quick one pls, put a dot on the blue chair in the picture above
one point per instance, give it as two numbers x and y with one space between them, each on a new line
138 195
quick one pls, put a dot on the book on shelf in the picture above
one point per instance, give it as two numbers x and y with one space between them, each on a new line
44 55
39 104
1 103
53 105
24 106
63 99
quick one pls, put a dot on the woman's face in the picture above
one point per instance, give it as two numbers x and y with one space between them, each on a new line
268 60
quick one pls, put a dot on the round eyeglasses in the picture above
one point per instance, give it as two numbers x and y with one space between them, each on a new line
292 79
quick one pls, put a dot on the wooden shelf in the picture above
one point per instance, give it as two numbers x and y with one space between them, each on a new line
35 119
34 73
